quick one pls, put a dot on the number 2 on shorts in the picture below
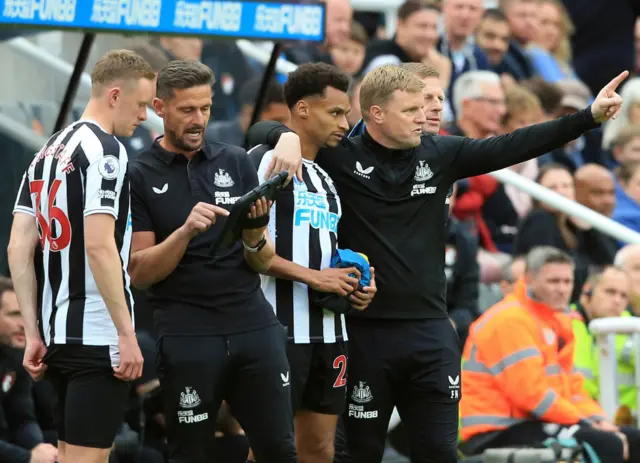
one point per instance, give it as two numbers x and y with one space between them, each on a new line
340 363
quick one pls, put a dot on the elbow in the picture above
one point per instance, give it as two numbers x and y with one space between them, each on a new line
138 279
19 249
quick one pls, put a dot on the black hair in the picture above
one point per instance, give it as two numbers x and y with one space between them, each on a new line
6 285
312 79
494 13
413 6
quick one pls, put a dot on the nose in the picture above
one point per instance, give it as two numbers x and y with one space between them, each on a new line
198 118
344 123
421 118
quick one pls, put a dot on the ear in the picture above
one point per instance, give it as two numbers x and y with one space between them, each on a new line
376 114
465 105
113 95
302 109
158 105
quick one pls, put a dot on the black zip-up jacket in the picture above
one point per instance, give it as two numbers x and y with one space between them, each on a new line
19 430
394 202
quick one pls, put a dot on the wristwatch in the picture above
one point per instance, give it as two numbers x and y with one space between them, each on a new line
258 247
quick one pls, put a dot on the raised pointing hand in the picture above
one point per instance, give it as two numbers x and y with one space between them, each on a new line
608 103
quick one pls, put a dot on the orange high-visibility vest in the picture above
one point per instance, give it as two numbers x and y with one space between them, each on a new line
515 368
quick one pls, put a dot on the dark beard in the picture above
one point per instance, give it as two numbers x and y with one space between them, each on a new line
178 143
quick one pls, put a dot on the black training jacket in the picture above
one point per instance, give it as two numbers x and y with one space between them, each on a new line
395 201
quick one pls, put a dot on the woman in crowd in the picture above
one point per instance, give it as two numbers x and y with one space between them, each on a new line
627 211
551 53
546 226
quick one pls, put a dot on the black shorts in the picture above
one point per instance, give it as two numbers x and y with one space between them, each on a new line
318 377
248 370
90 401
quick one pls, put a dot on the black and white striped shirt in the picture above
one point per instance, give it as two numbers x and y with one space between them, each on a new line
81 170
304 226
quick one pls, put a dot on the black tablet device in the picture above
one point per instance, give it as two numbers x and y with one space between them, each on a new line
237 219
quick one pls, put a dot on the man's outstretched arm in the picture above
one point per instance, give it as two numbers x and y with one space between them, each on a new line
471 157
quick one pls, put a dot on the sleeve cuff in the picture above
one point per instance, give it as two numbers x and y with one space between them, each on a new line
100 210
587 118
24 210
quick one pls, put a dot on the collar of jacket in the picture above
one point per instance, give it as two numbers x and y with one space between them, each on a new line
537 308
382 152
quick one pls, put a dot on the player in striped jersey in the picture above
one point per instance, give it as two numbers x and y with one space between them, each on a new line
304 225
74 203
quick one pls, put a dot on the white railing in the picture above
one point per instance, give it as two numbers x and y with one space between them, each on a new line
32 51
26 48
604 326
605 330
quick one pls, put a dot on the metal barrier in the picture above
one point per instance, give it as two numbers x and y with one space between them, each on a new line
32 51
26 48
605 331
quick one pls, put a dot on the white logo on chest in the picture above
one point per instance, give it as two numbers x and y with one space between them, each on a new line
423 172
222 179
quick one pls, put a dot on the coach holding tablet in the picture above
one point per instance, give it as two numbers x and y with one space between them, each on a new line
219 337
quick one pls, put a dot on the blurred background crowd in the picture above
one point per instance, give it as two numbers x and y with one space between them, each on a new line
505 64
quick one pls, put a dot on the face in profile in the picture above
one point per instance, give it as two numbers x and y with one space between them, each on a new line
433 101
186 115
401 118
327 116
11 323
130 102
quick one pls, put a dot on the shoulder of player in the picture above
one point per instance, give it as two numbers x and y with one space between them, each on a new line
260 154
107 144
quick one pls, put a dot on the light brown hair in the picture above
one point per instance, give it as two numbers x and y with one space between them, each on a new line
421 70
119 65
358 33
379 85
563 52
521 100
626 134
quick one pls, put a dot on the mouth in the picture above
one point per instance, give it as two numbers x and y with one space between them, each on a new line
19 337
193 135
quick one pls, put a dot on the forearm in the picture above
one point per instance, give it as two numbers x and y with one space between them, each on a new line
105 265
262 260
287 270
23 275
476 157
13 453
29 435
154 264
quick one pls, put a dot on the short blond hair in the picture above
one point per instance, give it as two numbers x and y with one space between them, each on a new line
379 85
119 65
422 70
521 100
